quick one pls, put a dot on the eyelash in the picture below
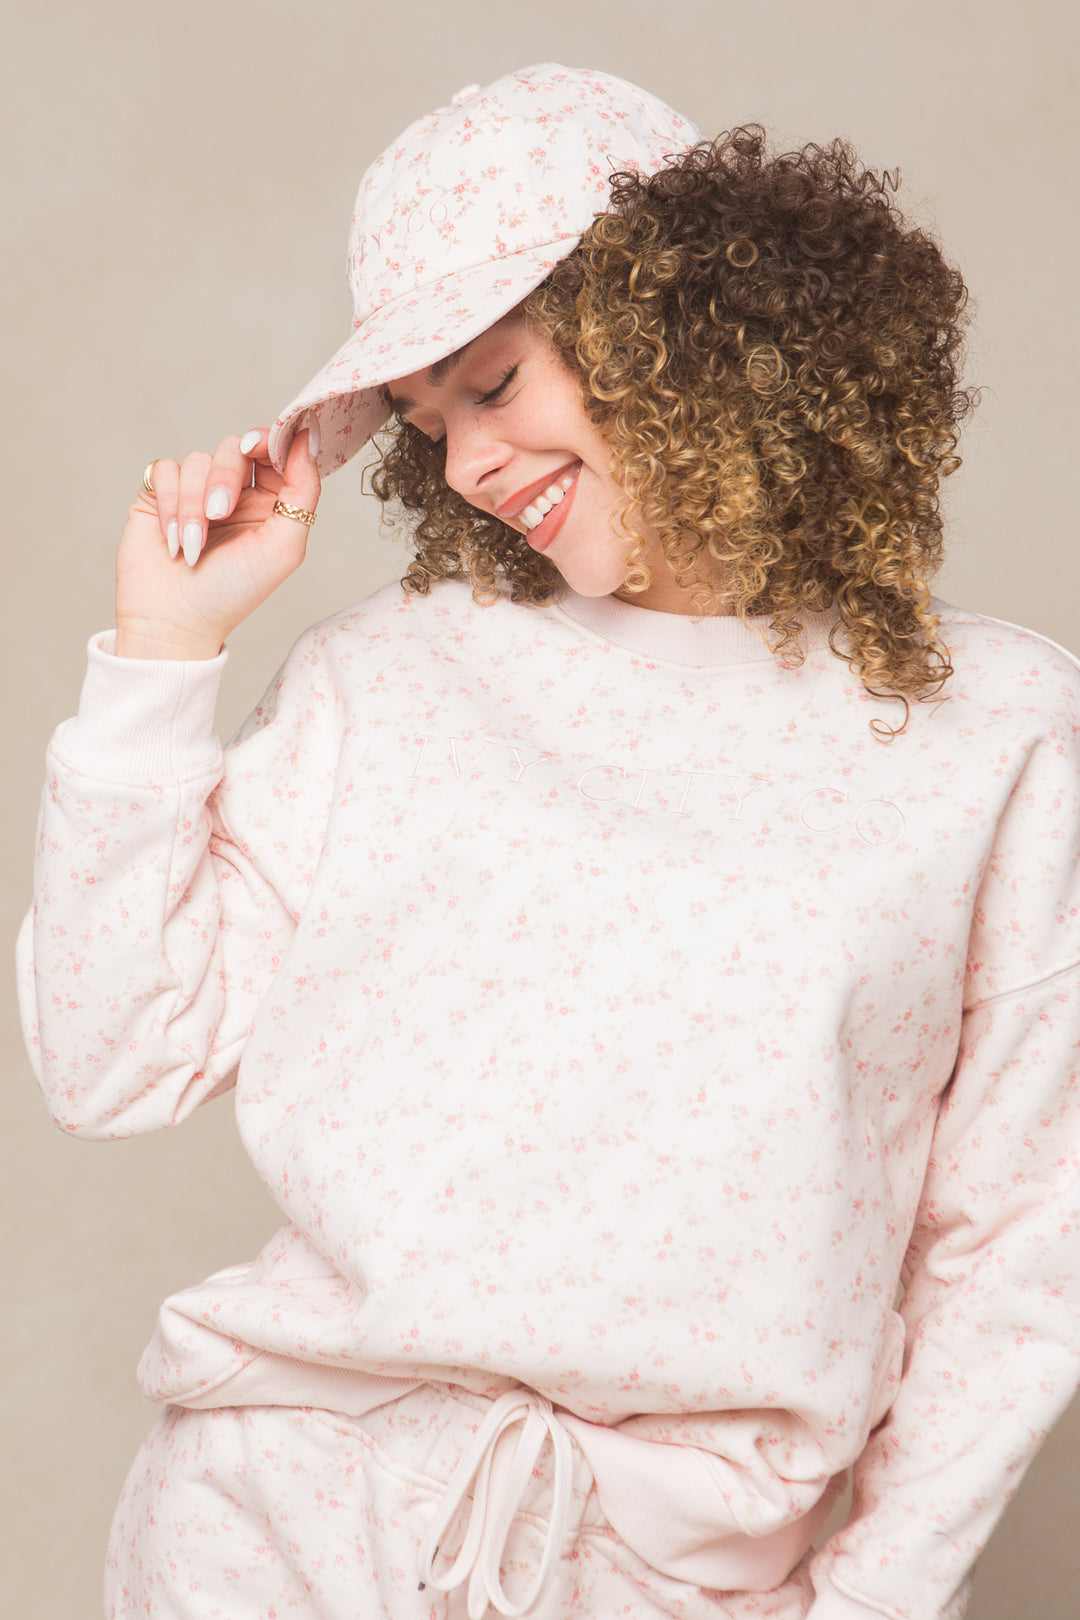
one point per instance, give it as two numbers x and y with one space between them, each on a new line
507 378
490 397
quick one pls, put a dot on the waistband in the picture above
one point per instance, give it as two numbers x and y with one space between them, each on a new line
725 1501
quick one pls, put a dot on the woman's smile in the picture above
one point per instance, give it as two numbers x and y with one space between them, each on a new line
556 497
521 445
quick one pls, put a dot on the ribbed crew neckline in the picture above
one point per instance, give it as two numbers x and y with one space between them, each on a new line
675 638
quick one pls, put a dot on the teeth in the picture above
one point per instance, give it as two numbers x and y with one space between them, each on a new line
541 506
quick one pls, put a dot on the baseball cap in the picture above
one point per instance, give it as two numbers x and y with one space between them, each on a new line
464 215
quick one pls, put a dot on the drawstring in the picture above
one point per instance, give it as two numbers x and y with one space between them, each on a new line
501 1479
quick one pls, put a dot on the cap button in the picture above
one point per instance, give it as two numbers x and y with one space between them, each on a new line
464 95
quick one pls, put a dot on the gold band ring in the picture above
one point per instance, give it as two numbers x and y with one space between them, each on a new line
146 484
296 512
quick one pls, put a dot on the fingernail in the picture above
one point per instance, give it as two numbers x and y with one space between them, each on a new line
314 437
192 543
217 503
249 441
173 535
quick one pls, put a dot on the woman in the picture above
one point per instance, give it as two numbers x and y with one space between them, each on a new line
648 940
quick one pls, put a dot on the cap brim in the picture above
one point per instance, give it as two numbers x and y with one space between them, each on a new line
405 335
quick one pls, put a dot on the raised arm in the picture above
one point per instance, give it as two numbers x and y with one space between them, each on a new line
157 926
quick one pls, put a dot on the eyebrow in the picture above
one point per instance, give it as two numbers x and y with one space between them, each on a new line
437 374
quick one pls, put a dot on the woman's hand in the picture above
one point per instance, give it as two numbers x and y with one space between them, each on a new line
200 554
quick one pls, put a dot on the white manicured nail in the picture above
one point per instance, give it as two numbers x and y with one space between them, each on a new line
173 534
217 503
249 441
314 437
192 543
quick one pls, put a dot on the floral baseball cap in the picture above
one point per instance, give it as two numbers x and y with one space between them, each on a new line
461 217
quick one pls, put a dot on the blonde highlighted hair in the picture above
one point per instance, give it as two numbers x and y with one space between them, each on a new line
773 355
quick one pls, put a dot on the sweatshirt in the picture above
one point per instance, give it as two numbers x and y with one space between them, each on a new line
612 1010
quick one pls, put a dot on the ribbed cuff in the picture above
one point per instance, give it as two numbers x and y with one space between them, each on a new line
144 719
829 1604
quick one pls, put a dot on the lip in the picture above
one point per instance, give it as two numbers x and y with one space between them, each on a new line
517 503
542 536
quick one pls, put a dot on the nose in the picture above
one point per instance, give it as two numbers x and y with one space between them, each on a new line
475 454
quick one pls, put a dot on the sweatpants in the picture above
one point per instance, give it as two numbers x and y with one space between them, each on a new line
284 1513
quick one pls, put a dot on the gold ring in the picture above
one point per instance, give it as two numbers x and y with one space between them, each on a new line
146 484
296 512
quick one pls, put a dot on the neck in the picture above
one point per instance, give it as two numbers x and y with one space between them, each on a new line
665 596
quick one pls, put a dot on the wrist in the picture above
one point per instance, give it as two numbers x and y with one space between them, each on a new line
147 642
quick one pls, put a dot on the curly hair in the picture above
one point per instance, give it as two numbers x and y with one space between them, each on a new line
773 355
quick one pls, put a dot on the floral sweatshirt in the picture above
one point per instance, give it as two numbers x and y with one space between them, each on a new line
613 1011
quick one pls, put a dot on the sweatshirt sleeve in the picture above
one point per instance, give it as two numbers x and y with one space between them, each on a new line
992 1293
168 879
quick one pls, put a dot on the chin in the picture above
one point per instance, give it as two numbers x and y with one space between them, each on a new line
592 581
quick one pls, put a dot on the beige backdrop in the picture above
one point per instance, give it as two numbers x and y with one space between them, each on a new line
183 175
